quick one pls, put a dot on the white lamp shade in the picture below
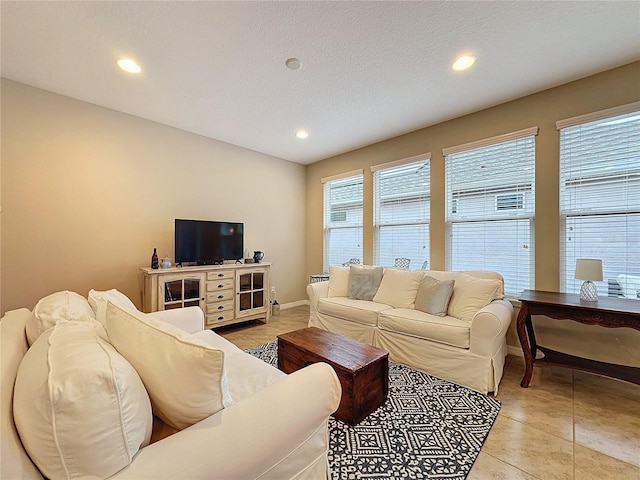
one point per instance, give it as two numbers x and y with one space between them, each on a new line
589 269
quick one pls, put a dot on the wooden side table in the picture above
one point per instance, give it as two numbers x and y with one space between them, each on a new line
608 312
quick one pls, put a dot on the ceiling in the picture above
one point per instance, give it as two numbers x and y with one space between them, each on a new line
370 70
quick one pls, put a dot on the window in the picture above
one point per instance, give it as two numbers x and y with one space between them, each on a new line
490 207
600 198
401 211
342 219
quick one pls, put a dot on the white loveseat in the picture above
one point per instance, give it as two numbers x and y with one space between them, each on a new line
464 343
268 425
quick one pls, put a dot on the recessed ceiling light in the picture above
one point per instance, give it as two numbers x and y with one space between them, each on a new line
293 64
463 62
302 134
129 66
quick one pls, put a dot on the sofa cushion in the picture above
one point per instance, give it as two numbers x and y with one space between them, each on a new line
98 300
449 330
470 294
338 281
184 376
79 406
398 287
434 296
364 281
358 311
58 306
442 275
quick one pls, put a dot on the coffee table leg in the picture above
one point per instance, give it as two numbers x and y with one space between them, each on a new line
523 326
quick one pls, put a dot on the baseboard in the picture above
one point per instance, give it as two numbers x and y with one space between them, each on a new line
299 303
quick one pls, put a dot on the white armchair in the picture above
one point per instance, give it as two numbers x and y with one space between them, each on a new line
277 427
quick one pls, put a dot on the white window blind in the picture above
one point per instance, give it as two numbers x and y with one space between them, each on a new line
342 220
401 213
490 209
600 200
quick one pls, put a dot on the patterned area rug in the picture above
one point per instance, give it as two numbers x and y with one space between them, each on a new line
427 429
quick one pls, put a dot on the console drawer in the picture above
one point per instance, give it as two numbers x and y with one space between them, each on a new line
220 275
215 307
222 284
220 296
219 317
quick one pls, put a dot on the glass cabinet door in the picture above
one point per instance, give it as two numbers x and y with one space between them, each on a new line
182 292
251 294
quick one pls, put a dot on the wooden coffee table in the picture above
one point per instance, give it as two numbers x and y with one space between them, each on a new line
363 370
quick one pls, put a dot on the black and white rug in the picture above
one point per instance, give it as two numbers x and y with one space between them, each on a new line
428 429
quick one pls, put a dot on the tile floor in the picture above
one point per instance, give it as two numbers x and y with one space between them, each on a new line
567 425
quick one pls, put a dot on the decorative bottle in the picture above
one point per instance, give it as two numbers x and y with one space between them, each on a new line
154 259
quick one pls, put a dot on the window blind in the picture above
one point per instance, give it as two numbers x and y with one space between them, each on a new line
401 209
600 201
342 220
490 207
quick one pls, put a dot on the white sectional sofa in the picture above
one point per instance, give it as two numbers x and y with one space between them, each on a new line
109 392
462 340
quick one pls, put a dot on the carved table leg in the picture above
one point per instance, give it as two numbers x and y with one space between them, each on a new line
523 324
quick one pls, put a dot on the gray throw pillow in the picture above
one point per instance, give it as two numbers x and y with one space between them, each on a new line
434 296
364 282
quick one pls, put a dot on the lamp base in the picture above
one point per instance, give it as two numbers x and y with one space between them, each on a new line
589 291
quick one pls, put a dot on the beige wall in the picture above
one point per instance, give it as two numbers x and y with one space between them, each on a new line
87 193
609 89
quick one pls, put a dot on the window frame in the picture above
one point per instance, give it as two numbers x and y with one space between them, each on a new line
399 168
523 214
346 179
588 219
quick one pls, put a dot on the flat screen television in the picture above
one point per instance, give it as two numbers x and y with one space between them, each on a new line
204 242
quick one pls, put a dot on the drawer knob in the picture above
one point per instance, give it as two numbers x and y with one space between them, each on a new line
221 275
220 307
220 296
220 286
221 318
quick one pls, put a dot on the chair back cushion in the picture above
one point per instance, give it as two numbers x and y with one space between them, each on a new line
53 308
184 376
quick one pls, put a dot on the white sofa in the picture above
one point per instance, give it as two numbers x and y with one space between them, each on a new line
276 426
469 351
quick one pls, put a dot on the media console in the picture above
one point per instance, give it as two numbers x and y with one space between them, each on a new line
227 294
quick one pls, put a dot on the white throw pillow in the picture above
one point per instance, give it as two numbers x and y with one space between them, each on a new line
80 408
98 301
53 308
338 281
184 376
399 287
470 294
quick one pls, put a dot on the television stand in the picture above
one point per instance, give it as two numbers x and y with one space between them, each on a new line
227 294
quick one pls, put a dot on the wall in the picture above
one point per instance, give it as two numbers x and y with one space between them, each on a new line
87 193
608 89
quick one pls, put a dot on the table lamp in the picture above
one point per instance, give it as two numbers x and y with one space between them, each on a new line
589 270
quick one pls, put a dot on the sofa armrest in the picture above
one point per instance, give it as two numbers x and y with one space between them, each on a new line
316 291
190 319
489 328
273 434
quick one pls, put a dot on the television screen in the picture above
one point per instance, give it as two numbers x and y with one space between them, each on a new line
207 243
